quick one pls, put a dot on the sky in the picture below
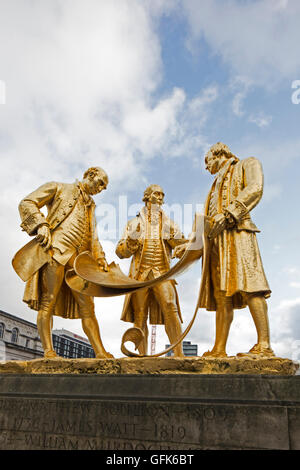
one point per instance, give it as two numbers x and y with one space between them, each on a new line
143 88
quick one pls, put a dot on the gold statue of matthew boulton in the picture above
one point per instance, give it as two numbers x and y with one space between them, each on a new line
235 276
149 239
68 230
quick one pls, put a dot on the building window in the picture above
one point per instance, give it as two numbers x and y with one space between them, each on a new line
14 335
2 330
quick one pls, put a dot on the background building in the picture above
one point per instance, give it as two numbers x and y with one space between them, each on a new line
188 349
69 345
19 340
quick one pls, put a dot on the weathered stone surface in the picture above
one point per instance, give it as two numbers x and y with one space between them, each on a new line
148 365
143 411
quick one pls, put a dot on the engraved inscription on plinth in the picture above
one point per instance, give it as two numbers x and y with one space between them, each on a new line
91 425
65 424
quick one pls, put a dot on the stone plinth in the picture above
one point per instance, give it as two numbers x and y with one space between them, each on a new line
113 411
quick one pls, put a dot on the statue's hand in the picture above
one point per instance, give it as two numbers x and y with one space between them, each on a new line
103 264
219 224
179 251
132 245
132 239
44 236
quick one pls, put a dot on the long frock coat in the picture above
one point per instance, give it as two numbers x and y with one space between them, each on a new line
240 189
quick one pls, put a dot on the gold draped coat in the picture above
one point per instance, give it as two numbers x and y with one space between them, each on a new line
60 200
241 269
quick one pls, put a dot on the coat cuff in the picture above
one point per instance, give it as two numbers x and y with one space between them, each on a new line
33 222
237 209
122 251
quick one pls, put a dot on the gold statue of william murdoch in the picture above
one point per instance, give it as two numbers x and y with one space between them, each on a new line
67 230
150 239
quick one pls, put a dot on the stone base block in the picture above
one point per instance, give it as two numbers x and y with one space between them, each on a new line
88 411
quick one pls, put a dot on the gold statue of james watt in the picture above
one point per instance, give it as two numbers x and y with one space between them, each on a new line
150 238
68 230
235 276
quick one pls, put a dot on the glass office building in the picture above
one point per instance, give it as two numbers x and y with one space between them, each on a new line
69 345
188 349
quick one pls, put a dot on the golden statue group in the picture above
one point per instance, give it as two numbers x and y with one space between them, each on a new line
233 276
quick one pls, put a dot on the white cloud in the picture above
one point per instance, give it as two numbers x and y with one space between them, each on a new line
261 120
256 39
292 270
160 7
274 156
188 138
80 70
286 330
241 87
151 128
295 284
81 91
237 104
276 249
281 4
197 105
